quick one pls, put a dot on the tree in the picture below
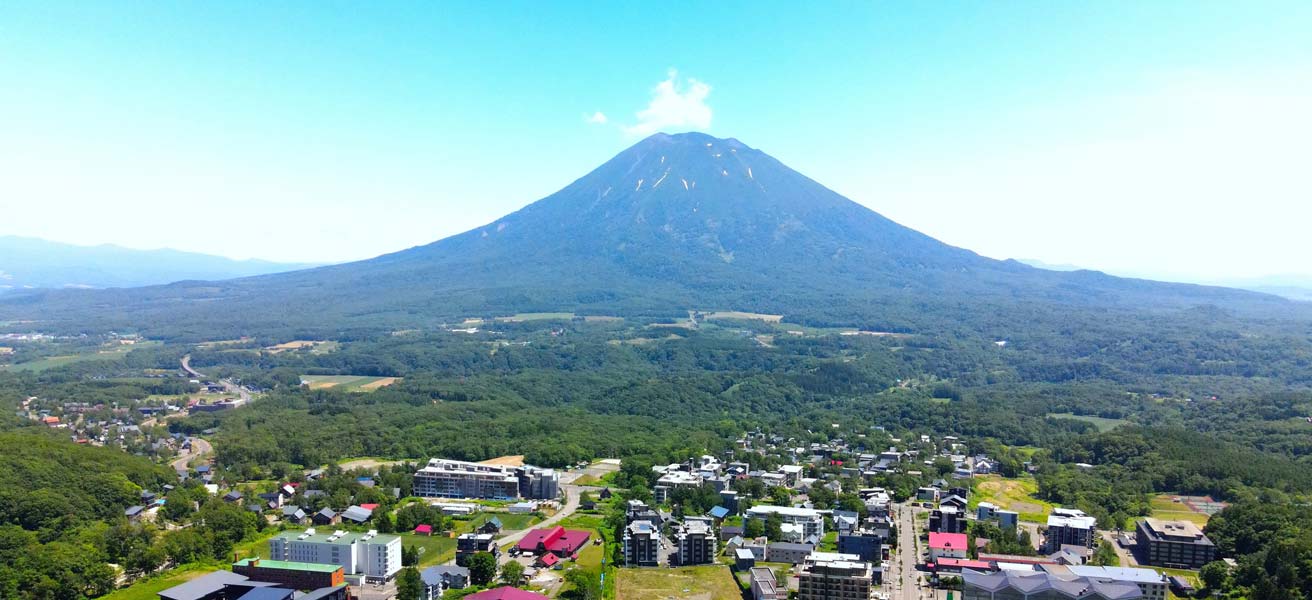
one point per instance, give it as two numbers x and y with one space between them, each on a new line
409 586
1105 556
482 568
586 585
1214 575
774 527
409 555
781 496
753 528
512 573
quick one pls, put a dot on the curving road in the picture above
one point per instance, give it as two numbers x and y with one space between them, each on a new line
572 496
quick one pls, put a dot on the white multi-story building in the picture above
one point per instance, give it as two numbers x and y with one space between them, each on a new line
1070 526
377 557
834 576
811 521
674 479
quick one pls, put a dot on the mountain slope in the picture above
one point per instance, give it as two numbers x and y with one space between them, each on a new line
674 222
34 263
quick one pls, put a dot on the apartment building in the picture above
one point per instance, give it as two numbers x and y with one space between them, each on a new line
834 576
695 543
1070 526
377 557
443 478
641 544
1173 544
811 521
469 544
765 587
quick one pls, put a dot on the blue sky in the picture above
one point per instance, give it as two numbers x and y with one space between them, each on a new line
1152 137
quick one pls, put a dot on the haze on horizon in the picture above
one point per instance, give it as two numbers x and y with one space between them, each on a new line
1167 140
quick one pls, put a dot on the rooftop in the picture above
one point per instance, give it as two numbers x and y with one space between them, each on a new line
947 541
287 565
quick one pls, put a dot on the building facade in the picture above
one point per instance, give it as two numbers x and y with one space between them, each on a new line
641 544
811 521
443 478
1070 526
695 544
834 576
1173 544
469 544
377 557
294 575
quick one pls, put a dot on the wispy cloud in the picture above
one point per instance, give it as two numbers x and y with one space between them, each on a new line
674 104
596 118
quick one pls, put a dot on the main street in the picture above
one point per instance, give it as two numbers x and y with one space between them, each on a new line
901 579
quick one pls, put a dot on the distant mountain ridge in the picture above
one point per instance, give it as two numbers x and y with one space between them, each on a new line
27 262
1291 286
673 222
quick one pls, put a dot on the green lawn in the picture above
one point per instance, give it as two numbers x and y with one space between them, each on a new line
433 549
103 353
509 522
1101 423
148 589
712 582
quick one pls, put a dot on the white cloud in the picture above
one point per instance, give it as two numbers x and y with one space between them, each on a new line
596 118
674 105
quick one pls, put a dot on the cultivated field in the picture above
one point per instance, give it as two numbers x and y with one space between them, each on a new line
350 383
1013 494
746 316
712 582
315 346
114 352
1101 423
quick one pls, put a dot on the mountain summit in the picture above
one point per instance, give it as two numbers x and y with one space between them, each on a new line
675 222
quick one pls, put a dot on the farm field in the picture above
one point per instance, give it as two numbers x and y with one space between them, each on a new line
543 316
1012 494
746 316
315 346
712 582
349 383
1103 424
104 353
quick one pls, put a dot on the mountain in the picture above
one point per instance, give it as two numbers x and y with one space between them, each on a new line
675 222
35 263
1291 286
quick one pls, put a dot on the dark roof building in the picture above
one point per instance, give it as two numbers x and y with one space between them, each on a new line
1174 544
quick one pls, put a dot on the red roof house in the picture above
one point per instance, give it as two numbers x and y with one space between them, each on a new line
423 530
569 542
506 593
369 507
947 545
548 560
556 540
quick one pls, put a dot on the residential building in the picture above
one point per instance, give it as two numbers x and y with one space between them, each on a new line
947 545
786 552
695 543
1070 526
1041 585
764 586
441 578
671 480
1151 584
947 519
294 575
987 511
226 585
377 557
866 545
538 484
1174 544
469 544
641 544
834 576
811 521
443 478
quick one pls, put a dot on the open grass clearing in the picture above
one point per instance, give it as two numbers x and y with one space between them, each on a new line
348 383
1166 507
516 460
1103 424
1012 494
107 352
149 588
541 316
745 316
710 582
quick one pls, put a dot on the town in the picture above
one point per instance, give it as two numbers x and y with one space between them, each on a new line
772 519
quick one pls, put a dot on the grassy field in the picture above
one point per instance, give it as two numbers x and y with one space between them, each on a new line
349 383
713 582
1165 508
509 522
435 549
148 589
116 352
1101 423
1012 494
543 316
746 316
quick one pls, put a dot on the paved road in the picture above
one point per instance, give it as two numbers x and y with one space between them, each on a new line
571 504
199 448
902 580
228 385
